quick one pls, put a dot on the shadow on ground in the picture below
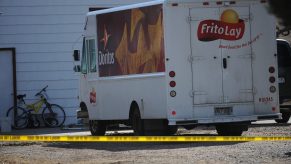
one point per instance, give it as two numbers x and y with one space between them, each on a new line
46 131
127 146
269 125
85 130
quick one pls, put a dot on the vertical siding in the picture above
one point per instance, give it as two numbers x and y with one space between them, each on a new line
44 34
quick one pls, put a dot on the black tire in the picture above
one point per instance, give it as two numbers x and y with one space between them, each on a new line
189 127
21 119
229 130
97 128
137 123
53 115
171 130
285 117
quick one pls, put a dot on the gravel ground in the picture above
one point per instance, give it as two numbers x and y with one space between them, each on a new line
119 153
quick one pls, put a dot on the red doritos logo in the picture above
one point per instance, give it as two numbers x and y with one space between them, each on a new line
229 27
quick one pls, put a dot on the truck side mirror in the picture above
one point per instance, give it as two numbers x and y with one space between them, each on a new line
77 68
76 55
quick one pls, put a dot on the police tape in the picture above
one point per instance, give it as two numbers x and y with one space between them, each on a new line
20 138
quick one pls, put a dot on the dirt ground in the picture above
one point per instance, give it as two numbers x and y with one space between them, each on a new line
119 153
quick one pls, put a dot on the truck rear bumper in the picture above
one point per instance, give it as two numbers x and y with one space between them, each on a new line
226 119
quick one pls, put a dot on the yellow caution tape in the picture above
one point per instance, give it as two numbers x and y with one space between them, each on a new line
19 138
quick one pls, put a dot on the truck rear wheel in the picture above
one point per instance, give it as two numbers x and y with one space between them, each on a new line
285 117
189 127
137 123
171 130
97 128
230 130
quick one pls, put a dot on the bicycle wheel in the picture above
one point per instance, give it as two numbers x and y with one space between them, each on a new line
53 115
21 119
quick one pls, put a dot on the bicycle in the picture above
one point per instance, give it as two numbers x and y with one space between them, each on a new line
52 115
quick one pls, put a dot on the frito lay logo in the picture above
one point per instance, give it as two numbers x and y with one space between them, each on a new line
229 27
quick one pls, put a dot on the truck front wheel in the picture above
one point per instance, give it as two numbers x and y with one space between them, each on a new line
97 128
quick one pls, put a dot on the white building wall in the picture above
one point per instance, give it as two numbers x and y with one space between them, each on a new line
45 33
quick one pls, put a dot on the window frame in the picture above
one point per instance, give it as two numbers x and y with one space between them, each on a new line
89 54
84 59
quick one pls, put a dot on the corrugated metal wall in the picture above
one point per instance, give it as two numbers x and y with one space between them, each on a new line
44 33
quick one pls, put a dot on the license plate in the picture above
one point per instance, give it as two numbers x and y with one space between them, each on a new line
281 80
221 111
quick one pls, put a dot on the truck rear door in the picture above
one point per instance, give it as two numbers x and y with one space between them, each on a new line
221 55
237 69
206 60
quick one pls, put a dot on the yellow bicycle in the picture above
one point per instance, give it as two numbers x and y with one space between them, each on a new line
24 115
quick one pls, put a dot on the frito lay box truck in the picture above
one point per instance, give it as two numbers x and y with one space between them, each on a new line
158 65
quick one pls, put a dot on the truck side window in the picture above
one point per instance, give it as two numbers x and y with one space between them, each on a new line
91 51
84 59
284 56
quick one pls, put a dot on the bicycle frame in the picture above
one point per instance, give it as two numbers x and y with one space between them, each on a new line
36 106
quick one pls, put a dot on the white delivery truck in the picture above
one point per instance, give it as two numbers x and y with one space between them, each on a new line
168 63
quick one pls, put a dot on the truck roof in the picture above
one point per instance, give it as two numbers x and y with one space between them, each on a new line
150 3
126 7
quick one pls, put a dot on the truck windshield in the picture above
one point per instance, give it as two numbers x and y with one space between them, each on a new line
91 51
84 59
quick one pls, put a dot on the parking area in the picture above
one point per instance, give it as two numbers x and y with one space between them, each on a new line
84 130
130 152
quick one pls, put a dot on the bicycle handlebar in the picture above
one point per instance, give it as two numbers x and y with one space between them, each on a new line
42 90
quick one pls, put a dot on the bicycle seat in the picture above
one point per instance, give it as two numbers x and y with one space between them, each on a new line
21 96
